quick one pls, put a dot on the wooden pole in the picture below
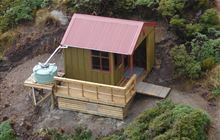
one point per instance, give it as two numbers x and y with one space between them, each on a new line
34 98
52 100
131 65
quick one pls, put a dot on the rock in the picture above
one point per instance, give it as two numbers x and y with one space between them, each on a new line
12 91
119 124
58 15
5 118
56 117
4 66
6 105
61 130
28 125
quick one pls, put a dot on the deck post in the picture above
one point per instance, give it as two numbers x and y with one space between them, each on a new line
131 65
33 95
52 100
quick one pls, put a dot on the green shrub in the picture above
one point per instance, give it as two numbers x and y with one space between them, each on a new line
80 133
203 55
213 32
121 5
216 91
170 8
99 7
203 48
84 6
208 63
192 29
210 17
6 131
17 12
166 121
181 14
147 3
202 3
178 22
113 137
193 70
185 63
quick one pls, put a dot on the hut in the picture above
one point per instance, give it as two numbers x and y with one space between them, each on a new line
108 50
103 59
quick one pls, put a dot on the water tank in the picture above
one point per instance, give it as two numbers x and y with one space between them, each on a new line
44 74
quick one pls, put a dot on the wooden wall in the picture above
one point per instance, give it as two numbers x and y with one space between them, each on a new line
118 74
78 66
150 49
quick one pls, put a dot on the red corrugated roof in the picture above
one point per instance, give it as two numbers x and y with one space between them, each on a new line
102 33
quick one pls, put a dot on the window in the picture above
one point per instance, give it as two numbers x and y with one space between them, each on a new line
100 60
118 59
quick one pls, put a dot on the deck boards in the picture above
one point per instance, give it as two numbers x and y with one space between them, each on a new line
30 82
152 90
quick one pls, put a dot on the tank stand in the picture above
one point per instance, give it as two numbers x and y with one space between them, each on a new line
39 96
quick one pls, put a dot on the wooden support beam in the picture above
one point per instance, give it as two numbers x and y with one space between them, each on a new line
112 67
33 95
131 65
43 99
52 101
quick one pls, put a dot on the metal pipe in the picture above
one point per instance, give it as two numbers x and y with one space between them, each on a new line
54 54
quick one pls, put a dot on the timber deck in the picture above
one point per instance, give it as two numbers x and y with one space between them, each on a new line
30 82
152 90
94 98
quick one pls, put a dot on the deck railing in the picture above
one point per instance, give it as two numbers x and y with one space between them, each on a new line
95 92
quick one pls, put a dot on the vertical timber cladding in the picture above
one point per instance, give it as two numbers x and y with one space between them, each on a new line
118 73
78 66
150 49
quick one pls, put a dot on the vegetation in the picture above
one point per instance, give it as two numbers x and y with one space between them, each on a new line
6 131
102 7
13 12
169 8
80 133
216 92
166 121
203 55
147 3
185 63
